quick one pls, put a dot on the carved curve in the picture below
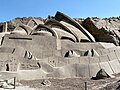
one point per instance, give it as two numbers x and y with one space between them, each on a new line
54 22
62 17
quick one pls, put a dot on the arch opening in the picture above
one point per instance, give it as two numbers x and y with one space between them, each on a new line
67 38
7 67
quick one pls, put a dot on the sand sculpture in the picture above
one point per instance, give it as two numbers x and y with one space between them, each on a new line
58 47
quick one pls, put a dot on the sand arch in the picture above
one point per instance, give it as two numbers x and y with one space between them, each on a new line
46 28
71 53
34 22
62 17
26 28
54 23
67 38
63 35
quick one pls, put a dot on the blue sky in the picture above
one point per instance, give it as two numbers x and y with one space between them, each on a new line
10 9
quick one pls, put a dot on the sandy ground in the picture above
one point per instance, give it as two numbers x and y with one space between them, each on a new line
63 84
21 88
69 84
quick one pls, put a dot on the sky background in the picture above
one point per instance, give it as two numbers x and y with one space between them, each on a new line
10 9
